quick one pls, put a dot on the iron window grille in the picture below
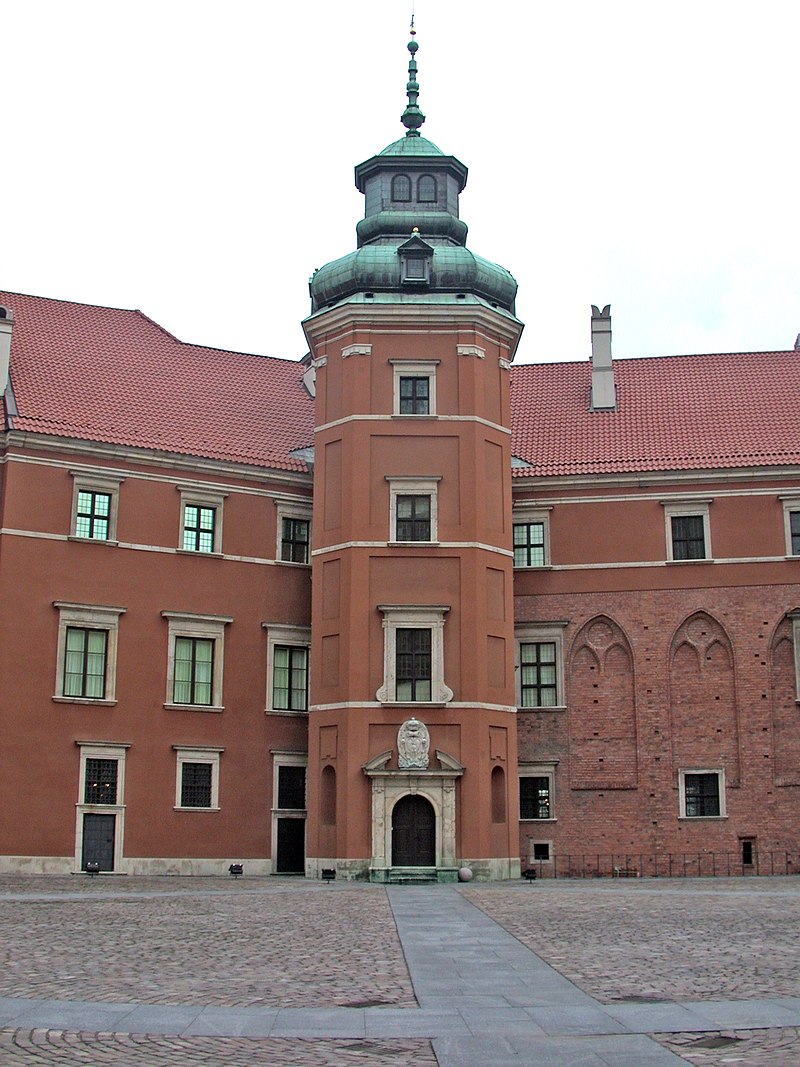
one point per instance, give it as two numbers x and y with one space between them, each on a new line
534 797
291 787
529 544
290 678
294 540
538 684
92 515
198 528
413 665
194 670
100 781
413 518
688 537
85 657
195 785
702 795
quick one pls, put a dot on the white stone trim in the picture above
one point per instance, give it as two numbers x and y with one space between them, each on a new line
476 419
532 633
410 544
790 504
294 636
413 486
287 508
207 754
400 616
415 369
87 480
90 617
186 624
356 350
720 773
471 350
101 750
687 509
192 496
285 759
525 513
544 769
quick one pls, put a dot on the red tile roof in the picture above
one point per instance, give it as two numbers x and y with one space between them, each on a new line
115 376
673 413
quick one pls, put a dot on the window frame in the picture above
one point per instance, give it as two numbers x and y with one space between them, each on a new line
683 773
285 759
205 754
393 189
209 627
403 368
428 199
87 617
299 511
528 516
685 510
791 505
413 486
540 633
84 481
194 497
280 635
539 770
404 617
106 751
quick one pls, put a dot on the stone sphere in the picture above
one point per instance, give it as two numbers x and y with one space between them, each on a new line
464 874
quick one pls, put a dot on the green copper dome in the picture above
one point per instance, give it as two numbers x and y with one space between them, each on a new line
411 241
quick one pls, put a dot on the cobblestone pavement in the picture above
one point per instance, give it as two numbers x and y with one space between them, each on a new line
78 1049
284 943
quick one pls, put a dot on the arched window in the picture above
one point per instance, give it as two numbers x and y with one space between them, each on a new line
498 795
426 189
327 801
401 187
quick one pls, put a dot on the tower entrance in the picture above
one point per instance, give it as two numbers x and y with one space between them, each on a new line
413 833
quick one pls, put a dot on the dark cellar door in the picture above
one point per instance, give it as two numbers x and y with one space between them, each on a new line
98 840
413 833
291 846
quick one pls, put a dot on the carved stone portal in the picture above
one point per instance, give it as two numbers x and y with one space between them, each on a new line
413 745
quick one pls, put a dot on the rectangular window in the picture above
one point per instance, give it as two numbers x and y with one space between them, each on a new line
195 785
413 518
194 670
529 544
100 781
92 515
688 537
199 524
794 531
85 656
702 795
295 540
534 797
541 851
538 670
414 395
291 787
413 664
290 678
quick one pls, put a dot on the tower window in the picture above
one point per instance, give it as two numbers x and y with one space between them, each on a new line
426 189
401 188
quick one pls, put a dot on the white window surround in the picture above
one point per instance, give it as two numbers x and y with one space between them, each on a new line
418 617
406 368
85 481
790 504
281 634
532 633
207 754
720 773
541 770
292 509
287 759
420 485
535 861
685 509
184 624
527 513
90 617
101 750
192 496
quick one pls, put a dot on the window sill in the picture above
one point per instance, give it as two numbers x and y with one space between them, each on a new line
286 711
544 707
690 562
194 707
196 552
291 563
96 701
93 540
410 415
538 821
702 818
535 567
411 544
177 807
414 703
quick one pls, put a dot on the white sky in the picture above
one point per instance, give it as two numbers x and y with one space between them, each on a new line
195 159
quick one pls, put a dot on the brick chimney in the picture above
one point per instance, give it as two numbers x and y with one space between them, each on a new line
604 391
6 323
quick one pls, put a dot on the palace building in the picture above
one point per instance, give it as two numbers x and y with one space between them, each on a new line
401 606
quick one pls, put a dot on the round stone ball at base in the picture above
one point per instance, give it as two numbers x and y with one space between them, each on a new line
464 874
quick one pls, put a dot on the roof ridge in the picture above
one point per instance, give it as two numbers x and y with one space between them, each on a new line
74 303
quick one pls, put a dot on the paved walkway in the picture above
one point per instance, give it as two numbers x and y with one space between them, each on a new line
483 996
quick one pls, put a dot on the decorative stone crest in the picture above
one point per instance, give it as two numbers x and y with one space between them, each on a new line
413 745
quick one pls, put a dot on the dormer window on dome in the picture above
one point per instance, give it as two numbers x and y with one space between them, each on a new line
416 261
401 188
426 189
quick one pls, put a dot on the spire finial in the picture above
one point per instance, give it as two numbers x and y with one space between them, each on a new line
412 118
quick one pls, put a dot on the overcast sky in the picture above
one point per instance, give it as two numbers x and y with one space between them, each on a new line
195 159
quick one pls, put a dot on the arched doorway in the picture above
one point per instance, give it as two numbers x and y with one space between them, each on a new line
413 833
